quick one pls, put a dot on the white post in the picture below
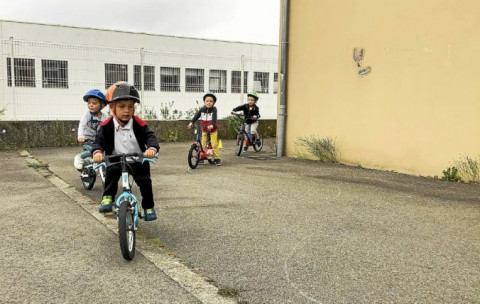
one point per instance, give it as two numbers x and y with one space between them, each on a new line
241 78
12 73
142 86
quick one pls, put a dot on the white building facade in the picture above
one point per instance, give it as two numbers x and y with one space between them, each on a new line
46 69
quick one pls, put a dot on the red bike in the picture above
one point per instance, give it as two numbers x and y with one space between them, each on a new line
198 153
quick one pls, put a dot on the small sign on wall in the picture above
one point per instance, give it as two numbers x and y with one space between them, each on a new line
358 55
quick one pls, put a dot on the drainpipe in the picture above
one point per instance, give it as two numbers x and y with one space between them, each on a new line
283 66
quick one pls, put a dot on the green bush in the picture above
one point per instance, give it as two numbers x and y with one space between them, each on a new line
451 174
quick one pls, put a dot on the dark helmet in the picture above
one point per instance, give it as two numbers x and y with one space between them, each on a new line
122 91
254 95
97 94
211 94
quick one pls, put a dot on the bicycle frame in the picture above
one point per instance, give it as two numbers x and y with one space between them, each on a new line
126 194
126 205
247 138
204 153
248 135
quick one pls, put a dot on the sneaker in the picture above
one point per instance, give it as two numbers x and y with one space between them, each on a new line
245 148
106 204
257 142
78 163
218 162
150 215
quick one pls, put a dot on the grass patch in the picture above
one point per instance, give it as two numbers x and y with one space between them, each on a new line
38 165
468 169
324 149
156 242
227 291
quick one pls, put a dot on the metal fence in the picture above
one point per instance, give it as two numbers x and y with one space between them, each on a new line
46 80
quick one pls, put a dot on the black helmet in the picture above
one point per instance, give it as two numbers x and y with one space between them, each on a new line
122 91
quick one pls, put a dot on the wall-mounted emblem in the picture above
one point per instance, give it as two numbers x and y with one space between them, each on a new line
358 57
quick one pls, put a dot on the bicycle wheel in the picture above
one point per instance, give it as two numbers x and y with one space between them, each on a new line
88 177
193 157
126 231
258 147
239 144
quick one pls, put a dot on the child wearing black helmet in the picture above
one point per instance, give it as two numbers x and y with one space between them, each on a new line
208 119
89 125
124 132
252 114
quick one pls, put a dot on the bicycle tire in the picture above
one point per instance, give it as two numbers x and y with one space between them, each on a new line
88 178
193 157
259 147
239 144
126 231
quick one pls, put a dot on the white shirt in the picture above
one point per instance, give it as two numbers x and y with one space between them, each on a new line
125 140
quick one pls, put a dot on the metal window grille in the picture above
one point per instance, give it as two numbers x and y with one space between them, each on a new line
148 77
115 73
54 74
194 79
218 81
169 79
24 71
237 83
260 82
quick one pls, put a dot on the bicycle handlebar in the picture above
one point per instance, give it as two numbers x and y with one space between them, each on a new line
141 158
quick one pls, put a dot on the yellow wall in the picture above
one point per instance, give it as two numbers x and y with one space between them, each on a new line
419 108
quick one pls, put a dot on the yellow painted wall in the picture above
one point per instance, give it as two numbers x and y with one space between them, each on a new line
419 108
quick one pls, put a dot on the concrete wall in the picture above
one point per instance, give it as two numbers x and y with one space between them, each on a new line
34 134
419 107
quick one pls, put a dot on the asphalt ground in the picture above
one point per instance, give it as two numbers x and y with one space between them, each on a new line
275 230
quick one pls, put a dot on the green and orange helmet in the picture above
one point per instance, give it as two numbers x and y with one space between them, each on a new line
254 95
122 91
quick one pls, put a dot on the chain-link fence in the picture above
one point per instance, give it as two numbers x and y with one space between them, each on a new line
46 80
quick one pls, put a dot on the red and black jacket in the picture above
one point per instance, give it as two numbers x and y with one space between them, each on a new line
105 138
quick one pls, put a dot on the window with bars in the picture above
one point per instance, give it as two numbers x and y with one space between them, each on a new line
194 79
148 77
114 73
260 82
24 71
218 81
169 79
54 74
237 83
275 83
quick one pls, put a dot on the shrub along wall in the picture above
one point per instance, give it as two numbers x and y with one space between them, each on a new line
33 134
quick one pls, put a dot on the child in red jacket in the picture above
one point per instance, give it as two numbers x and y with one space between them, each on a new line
124 132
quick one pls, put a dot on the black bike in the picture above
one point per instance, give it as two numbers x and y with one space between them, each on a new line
245 138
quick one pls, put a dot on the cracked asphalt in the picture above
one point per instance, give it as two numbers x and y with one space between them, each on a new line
275 230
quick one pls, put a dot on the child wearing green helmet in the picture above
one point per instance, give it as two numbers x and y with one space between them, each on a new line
252 113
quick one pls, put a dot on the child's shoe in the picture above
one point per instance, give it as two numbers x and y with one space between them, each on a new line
106 204
218 162
150 215
245 148
78 162
257 142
